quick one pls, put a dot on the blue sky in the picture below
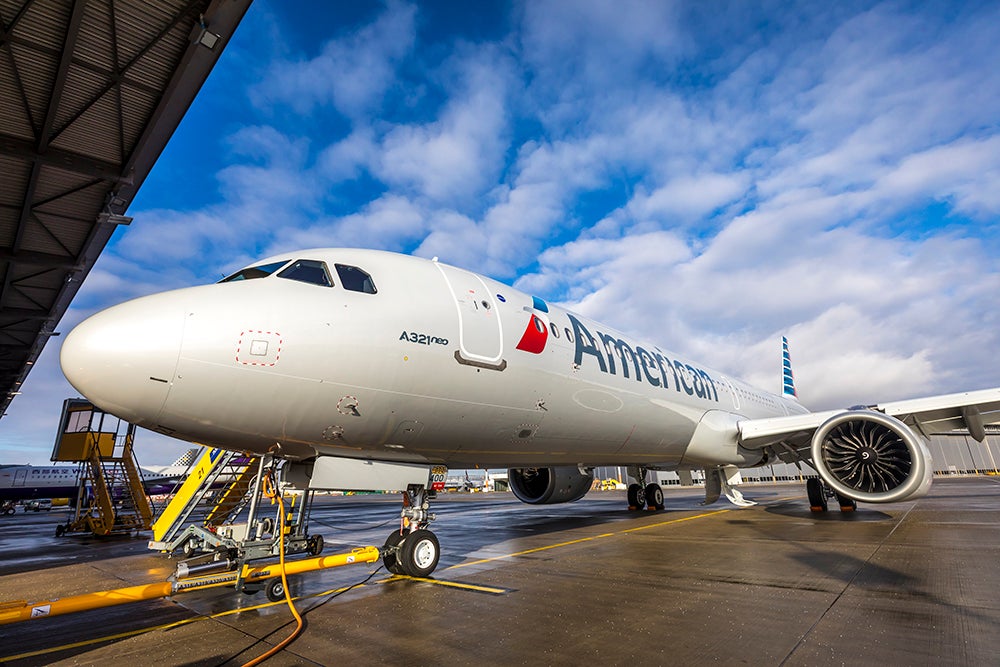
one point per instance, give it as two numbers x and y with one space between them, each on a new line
709 176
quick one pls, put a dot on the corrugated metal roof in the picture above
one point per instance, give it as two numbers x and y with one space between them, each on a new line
90 92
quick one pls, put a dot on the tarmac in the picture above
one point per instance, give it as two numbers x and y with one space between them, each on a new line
912 583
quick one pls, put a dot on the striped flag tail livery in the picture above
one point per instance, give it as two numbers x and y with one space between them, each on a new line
787 379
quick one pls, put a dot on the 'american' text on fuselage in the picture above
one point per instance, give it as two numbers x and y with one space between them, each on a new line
648 366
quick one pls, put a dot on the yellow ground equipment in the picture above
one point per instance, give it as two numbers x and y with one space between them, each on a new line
214 490
219 510
267 576
111 497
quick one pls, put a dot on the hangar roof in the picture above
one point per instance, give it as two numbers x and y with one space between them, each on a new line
90 93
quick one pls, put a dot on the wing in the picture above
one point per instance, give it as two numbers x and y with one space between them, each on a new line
872 453
935 414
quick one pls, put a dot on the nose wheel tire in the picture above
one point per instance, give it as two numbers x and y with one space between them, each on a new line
390 554
419 553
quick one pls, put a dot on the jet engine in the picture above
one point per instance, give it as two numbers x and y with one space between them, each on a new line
871 457
545 486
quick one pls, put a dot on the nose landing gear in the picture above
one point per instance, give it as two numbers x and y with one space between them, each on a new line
413 550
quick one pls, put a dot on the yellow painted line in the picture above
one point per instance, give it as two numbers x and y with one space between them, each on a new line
530 551
672 521
586 539
167 626
107 638
452 584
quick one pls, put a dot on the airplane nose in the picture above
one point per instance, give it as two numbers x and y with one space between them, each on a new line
123 359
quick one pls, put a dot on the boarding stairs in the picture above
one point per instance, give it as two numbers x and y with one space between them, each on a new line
224 516
216 490
111 497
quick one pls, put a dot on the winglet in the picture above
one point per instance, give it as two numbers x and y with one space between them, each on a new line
787 378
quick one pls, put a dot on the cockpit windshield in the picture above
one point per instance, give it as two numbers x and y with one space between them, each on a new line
262 271
308 271
354 279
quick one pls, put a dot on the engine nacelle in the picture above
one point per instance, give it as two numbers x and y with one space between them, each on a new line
871 457
545 486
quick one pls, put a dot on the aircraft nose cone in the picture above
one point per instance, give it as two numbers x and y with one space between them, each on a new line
123 359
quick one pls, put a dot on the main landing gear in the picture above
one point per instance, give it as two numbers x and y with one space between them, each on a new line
819 495
412 550
642 495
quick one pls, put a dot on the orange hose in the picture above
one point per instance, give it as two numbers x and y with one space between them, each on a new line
271 493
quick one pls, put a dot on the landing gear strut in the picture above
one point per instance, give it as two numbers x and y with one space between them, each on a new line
819 495
412 550
641 495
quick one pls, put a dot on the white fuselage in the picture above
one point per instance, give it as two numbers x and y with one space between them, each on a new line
440 365
29 482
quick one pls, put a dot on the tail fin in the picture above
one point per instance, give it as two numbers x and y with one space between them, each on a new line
187 458
787 378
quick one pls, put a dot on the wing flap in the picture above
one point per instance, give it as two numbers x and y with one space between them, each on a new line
937 414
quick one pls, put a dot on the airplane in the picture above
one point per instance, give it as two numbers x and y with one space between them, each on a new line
179 468
369 369
28 482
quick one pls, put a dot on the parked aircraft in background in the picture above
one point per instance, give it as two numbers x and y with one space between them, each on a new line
28 482
179 468
367 367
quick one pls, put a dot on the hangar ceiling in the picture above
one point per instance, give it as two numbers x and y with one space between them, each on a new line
90 93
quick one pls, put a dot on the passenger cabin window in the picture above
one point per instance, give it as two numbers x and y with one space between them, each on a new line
262 271
308 271
354 279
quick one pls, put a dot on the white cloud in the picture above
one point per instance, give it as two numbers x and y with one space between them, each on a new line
687 198
389 223
968 171
581 54
455 239
460 154
351 74
345 159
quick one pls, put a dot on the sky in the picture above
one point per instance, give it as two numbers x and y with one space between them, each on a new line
705 176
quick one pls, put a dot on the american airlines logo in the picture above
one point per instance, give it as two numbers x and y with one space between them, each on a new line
615 355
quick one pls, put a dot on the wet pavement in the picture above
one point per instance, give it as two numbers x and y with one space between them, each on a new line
911 583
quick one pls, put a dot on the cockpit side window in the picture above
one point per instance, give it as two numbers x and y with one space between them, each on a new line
308 271
262 271
354 279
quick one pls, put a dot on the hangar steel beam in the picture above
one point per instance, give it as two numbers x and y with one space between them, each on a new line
49 159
